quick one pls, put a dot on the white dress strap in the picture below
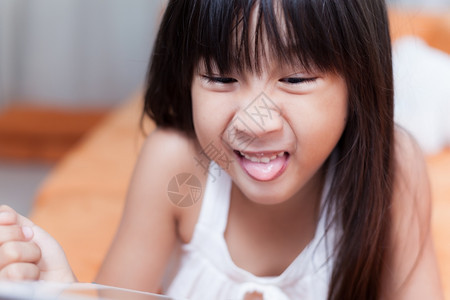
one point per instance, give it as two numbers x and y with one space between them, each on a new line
216 199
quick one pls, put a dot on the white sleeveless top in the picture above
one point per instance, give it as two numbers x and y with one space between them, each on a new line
204 269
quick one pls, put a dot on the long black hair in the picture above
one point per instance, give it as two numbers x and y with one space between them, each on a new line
349 37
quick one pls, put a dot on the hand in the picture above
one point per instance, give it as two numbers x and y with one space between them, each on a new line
27 252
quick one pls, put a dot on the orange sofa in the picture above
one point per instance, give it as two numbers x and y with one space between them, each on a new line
80 203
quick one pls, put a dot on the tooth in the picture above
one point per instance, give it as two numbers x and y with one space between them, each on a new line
241 153
247 157
273 157
265 160
254 159
280 154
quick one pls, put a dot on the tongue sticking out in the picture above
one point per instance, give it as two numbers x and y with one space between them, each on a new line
264 171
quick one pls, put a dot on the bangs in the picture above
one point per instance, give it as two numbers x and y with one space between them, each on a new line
240 35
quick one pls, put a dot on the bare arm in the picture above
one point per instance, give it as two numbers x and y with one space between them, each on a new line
148 231
412 270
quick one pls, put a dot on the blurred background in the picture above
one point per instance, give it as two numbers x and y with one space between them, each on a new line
63 66
426 4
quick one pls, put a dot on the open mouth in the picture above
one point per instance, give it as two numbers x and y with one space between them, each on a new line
263 166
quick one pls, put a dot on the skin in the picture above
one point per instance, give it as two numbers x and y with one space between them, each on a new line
307 121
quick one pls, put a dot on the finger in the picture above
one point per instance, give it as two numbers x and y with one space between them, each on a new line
4 207
15 252
19 272
10 216
15 233
21 220
7 216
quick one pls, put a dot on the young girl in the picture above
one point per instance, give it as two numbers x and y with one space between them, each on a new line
276 171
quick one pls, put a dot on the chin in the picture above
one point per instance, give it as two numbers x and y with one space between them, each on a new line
265 195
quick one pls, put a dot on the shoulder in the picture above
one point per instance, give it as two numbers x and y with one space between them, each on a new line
411 178
170 144
167 153
411 197
412 200
413 272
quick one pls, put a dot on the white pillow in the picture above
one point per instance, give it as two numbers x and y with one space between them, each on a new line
422 92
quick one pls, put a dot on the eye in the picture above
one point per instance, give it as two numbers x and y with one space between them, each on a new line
218 79
297 80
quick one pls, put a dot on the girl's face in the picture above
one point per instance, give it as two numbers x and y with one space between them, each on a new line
273 131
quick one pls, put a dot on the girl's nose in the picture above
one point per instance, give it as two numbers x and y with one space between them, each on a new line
264 114
258 119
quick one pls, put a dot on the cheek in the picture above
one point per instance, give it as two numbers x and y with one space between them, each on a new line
200 118
318 122
332 111
210 115
332 116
